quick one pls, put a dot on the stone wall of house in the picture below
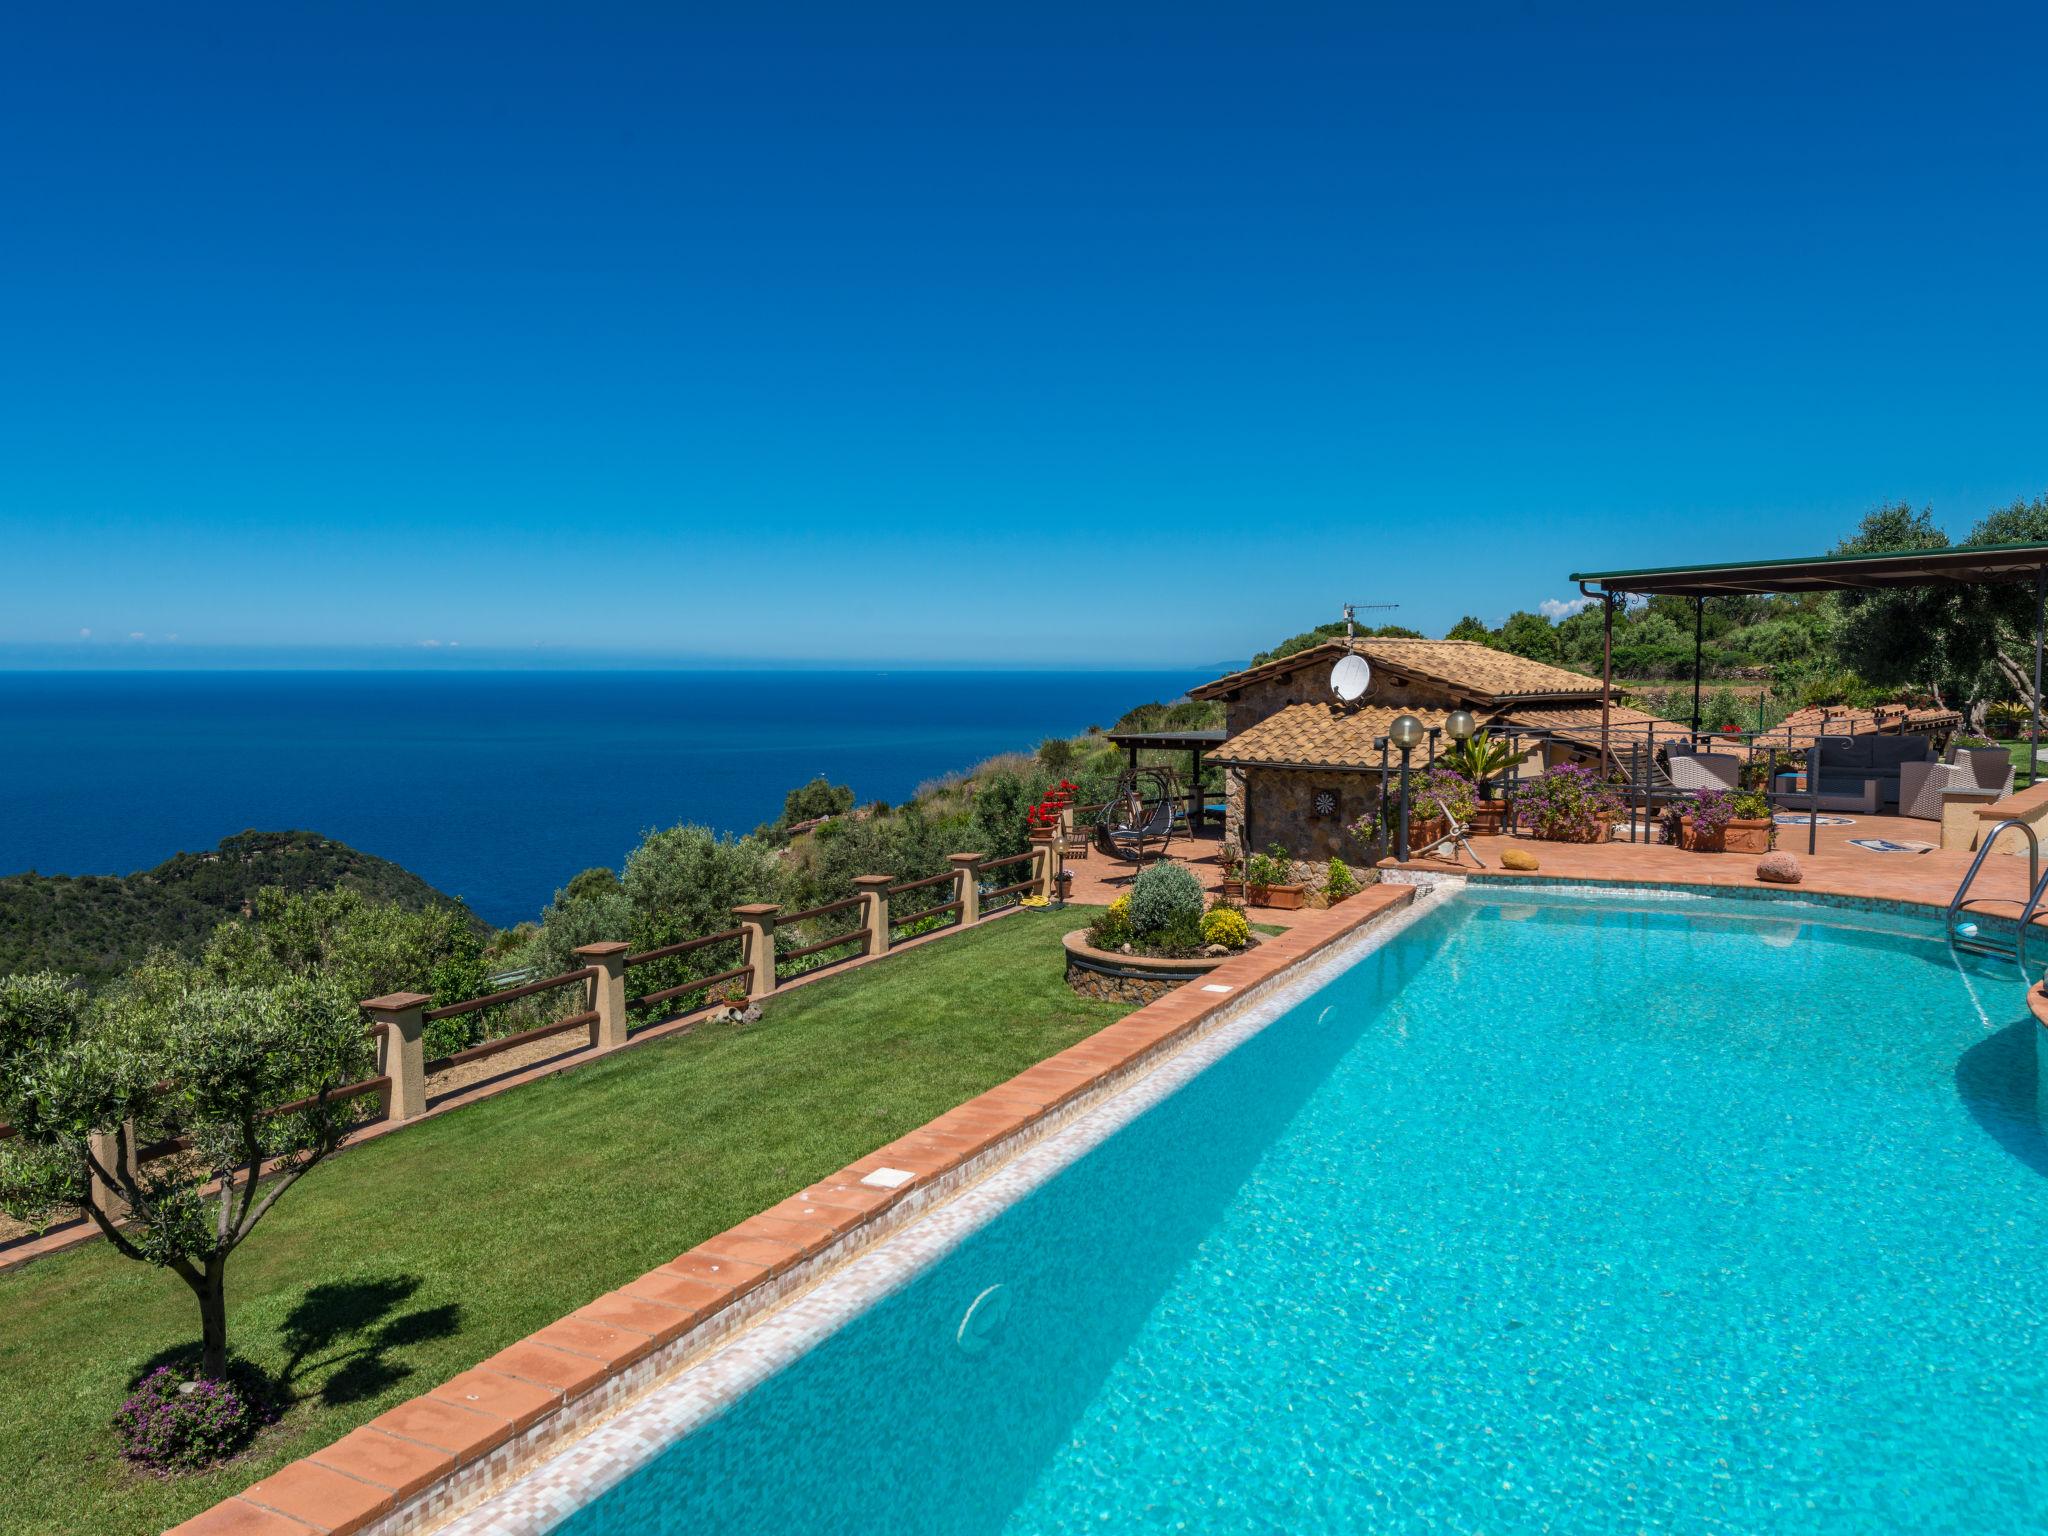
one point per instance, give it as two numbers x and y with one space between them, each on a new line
1309 812
1389 690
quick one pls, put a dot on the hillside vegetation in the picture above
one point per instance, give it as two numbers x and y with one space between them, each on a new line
98 926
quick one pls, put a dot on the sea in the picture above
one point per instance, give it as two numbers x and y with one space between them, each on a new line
493 786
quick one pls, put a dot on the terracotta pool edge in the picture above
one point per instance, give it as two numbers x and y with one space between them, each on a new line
427 1460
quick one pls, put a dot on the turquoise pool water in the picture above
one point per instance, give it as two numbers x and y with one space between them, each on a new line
1552 1214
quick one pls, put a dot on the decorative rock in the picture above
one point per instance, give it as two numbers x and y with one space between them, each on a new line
1779 869
1515 858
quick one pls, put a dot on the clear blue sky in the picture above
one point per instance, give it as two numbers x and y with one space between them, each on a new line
1100 334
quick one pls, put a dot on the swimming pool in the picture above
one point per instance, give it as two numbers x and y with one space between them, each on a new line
1553 1213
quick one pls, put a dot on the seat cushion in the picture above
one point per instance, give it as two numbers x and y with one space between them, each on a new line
1887 752
1844 752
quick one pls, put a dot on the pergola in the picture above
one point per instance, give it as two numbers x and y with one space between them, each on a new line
1955 566
1194 743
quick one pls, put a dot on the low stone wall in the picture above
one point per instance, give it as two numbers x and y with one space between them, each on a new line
1139 979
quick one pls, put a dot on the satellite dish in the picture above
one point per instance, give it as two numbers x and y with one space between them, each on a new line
1350 678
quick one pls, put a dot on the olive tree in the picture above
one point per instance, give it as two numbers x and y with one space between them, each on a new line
238 1081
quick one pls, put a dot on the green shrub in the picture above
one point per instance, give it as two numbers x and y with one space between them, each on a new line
1273 867
1340 882
1162 895
1226 927
1182 936
1111 929
2009 717
1723 709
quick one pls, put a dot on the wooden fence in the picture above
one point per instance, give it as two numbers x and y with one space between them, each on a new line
609 1016
874 917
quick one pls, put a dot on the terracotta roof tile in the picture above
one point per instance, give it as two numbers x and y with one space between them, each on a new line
1581 722
1317 734
1802 725
1463 665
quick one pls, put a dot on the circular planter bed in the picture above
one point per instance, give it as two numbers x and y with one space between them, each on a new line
1119 978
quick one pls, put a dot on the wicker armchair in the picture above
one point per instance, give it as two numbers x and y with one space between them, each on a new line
1921 786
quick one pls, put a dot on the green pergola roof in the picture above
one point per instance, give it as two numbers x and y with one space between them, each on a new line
1958 565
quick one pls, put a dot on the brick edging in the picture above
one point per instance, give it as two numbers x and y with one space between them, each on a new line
427 1459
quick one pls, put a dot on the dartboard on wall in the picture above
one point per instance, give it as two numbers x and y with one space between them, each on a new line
1323 802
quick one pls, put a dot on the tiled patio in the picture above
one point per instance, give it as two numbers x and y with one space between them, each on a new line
1100 879
1837 867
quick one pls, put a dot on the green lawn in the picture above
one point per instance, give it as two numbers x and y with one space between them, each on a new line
416 1255
2022 754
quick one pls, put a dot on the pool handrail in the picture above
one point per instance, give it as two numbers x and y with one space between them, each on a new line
2034 893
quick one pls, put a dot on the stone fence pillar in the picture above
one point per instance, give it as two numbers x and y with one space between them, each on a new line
401 1052
608 992
117 1155
967 887
758 919
874 896
1045 847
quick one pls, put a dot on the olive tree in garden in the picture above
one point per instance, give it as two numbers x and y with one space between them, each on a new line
240 1080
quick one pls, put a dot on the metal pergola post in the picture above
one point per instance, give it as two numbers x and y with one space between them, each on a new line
1606 669
2040 614
1699 627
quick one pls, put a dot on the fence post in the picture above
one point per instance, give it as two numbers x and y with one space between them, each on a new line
1045 869
967 887
117 1154
608 959
874 895
403 1055
758 919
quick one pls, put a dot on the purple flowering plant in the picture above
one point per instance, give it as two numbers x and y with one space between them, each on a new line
1568 804
174 1422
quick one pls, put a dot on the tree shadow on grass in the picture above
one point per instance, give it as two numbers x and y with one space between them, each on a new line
340 1335
343 1333
1995 1079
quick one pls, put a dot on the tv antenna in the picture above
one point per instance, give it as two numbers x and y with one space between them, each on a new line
1351 614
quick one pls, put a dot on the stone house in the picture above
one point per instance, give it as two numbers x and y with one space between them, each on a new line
1300 765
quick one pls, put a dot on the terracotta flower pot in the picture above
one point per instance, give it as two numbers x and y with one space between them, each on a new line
1422 833
1748 834
1489 817
1696 841
1285 898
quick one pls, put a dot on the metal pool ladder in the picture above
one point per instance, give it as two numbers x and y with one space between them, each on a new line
1980 942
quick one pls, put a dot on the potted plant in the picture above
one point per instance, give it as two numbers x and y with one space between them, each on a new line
1269 880
1750 828
1048 819
1231 862
1482 759
1568 804
1439 790
1721 821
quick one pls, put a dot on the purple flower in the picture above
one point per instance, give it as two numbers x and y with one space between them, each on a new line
176 1423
